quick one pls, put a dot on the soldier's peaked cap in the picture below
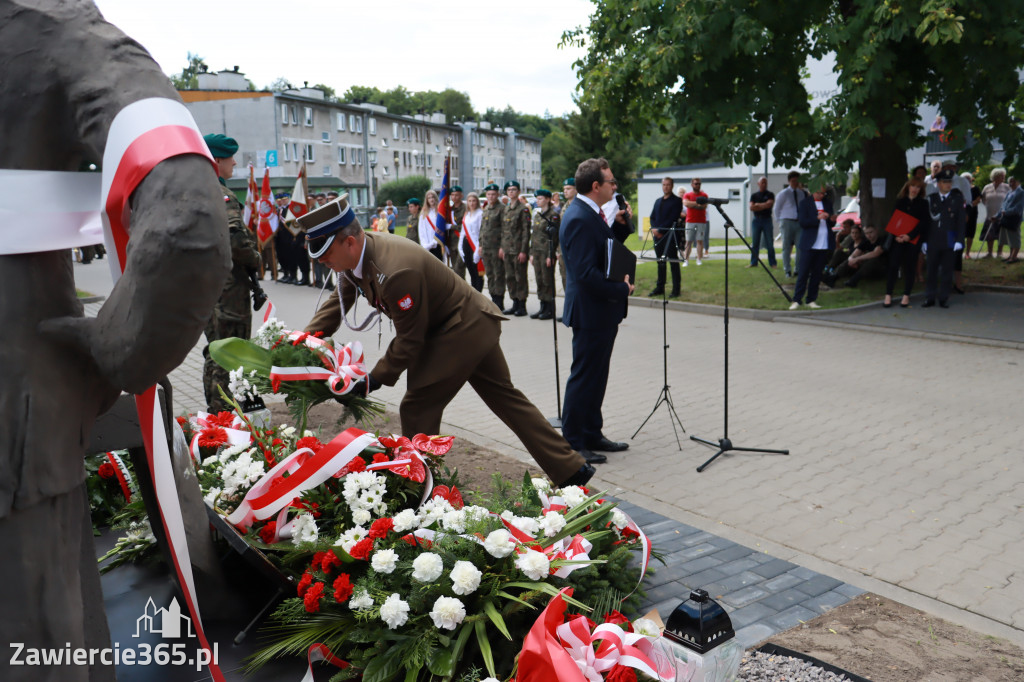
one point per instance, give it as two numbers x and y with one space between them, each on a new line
325 221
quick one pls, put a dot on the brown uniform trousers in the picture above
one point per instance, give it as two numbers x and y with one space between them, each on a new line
446 335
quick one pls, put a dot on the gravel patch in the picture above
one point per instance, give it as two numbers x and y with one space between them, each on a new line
758 666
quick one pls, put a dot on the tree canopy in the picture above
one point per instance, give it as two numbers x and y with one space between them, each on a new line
188 80
729 75
456 105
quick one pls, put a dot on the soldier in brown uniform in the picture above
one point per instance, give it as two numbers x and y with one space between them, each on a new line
490 243
446 334
233 314
454 230
515 248
413 229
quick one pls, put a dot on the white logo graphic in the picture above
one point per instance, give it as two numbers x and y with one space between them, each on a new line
164 622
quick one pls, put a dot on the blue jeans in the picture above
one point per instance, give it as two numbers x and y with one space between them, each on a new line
761 230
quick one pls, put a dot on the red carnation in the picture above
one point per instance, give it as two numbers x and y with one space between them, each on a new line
618 619
269 457
312 598
277 442
300 338
342 588
212 437
106 470
380 458
329 562
182 422
361 550
356 465
621 673
307 580
311 442
381 527
318 557
268 532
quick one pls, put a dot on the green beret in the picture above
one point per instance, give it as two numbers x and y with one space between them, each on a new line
456 188
544 193
511 183
221 146
415 201
569 182
491 186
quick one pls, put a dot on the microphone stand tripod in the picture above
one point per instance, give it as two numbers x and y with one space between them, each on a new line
724 444
665 396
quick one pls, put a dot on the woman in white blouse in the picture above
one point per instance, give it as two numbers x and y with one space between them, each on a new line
428 222
469 240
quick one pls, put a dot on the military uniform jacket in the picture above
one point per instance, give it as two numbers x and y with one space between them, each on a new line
458 213
515 229
233 305
540 238
948 220
412 231
490 229
442 324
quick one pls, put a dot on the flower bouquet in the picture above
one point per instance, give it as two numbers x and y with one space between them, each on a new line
110 483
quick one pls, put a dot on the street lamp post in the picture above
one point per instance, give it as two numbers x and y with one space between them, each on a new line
397 159
371 156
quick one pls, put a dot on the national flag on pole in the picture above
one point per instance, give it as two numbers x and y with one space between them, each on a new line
297 206
444 209
267 211
249 213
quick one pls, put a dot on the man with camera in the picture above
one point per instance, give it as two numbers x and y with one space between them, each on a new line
667 211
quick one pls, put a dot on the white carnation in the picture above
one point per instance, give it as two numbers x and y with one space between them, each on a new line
384 560
534 564
507 515
646 627
361 517
573 495
361 601
527 524
541 485
350 537
211 497
465 577
427 567
454 520
447 613
289 431
552 523
499 543
304 529
394 611
619 519
405 520
474 513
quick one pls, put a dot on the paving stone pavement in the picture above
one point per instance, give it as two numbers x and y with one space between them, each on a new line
905 475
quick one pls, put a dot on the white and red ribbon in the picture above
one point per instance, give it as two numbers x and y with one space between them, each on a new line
124 477
317 653
342 366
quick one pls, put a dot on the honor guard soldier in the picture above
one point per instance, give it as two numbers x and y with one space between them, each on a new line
412 231
944 237
233 314
515 247
454 230
545 230
446 333
490 242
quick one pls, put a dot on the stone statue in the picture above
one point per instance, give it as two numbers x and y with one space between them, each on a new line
66 74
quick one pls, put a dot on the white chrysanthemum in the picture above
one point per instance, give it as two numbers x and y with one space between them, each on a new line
239 385
541 484
490 679
361 517
289 431
447 613
211 497
474 513
384 561
646 627
527 524
427 567
454 520
573 495
465 577
405 520
304 529
394 611
552 523
268 334
534 564
499 543
361 601
507 515
433 510
619 519
350 537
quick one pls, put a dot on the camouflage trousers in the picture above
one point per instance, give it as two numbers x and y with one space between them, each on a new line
545 278
454 257
213 374
516 277
494 268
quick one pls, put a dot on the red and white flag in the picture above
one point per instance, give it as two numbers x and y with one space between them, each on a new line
267 211
249 211
297 206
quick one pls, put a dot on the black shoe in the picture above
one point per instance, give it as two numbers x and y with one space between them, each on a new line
850 283
318 283
520 308
657 291
547 311
943 304
304 282
605 445
674 293
512 309
929 303
585 473
536 315
593 457
499 301
287 279
558 319
958 290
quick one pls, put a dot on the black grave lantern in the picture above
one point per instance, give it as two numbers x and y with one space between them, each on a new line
699 623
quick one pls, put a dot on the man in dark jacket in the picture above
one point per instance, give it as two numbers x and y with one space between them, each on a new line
816 219
943 238
666 212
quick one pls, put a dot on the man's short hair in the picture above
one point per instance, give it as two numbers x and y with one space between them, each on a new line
670 181
589 172
762 178
792 174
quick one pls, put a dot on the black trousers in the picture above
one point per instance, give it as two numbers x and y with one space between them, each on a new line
667 246
585 388
939 275
810 262
475 278
902 258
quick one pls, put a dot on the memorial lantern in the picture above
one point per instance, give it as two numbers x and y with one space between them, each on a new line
700 638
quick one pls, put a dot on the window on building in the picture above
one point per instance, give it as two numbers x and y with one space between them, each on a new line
394 130
437 148
341 121
360 150
307 114
359 125
341 155
286 152
372 125
417 133
310 158
325 137
428 134
327 170
385 169
383 142
284 114
437 173
295 151
430 160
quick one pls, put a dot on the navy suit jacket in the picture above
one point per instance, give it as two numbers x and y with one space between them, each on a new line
591 301
807 215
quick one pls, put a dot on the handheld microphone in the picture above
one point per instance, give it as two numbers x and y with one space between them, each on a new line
713 202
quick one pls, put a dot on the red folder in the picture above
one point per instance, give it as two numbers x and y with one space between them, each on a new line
902 223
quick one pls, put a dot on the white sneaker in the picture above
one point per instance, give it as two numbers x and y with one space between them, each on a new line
698 262
814 305
794 305
685 263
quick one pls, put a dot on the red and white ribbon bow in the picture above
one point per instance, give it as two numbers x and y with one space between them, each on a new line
320 652
341 369
237 433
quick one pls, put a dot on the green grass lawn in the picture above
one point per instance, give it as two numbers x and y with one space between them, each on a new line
83 294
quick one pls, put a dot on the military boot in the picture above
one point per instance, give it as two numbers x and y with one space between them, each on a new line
547 310
520 308
534 316
513 308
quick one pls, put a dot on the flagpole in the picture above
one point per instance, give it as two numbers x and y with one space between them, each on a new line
448 196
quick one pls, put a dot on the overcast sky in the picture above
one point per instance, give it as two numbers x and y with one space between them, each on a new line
498 54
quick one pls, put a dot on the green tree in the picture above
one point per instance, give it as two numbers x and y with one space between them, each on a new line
362 93
280 85
730 74
403 189
328 92
188 79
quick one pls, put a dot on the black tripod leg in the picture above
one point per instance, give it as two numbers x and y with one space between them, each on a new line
773 452
704 466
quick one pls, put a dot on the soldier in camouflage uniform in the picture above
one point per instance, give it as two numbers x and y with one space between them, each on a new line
233 314
413 229
544 219
490 243
458 213
569 192
515 248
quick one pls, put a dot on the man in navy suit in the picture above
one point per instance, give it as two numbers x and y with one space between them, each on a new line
816 219
593 305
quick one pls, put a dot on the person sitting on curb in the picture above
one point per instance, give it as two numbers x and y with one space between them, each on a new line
866 260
